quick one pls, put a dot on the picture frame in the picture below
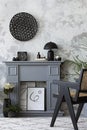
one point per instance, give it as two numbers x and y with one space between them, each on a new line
36 98
22 56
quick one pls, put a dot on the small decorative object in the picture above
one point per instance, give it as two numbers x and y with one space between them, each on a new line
50 46
15 59
22 56
38 55
36 98
57 58
23 26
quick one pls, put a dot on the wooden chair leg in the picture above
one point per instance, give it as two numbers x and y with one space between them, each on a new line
56 110
71 109
79 111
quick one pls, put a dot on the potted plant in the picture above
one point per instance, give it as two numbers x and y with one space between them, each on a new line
77 65
13 110
8 88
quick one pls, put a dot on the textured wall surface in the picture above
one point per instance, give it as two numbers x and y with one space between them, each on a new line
61 21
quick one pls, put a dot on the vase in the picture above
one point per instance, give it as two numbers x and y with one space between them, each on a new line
6 104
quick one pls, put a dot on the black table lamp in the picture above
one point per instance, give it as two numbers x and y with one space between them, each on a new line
49 46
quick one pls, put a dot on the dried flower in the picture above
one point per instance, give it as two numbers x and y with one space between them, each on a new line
8 88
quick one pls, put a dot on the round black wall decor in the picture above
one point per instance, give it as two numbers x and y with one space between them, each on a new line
23 26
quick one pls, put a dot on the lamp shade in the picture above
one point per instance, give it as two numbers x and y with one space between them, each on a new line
50 45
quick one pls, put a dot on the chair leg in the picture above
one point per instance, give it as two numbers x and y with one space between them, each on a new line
56 110
79 111
71 110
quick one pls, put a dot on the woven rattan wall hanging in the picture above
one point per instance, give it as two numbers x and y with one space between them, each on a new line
23 26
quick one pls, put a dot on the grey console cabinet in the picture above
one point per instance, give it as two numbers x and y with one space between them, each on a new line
19 71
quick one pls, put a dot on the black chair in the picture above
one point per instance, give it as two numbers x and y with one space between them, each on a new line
79 96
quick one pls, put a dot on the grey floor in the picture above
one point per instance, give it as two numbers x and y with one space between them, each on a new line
40 123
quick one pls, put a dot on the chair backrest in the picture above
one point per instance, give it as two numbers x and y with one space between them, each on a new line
82 84
83 80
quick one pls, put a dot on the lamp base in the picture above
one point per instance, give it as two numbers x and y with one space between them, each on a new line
50 55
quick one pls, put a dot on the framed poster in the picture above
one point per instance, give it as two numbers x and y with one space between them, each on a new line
36 98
